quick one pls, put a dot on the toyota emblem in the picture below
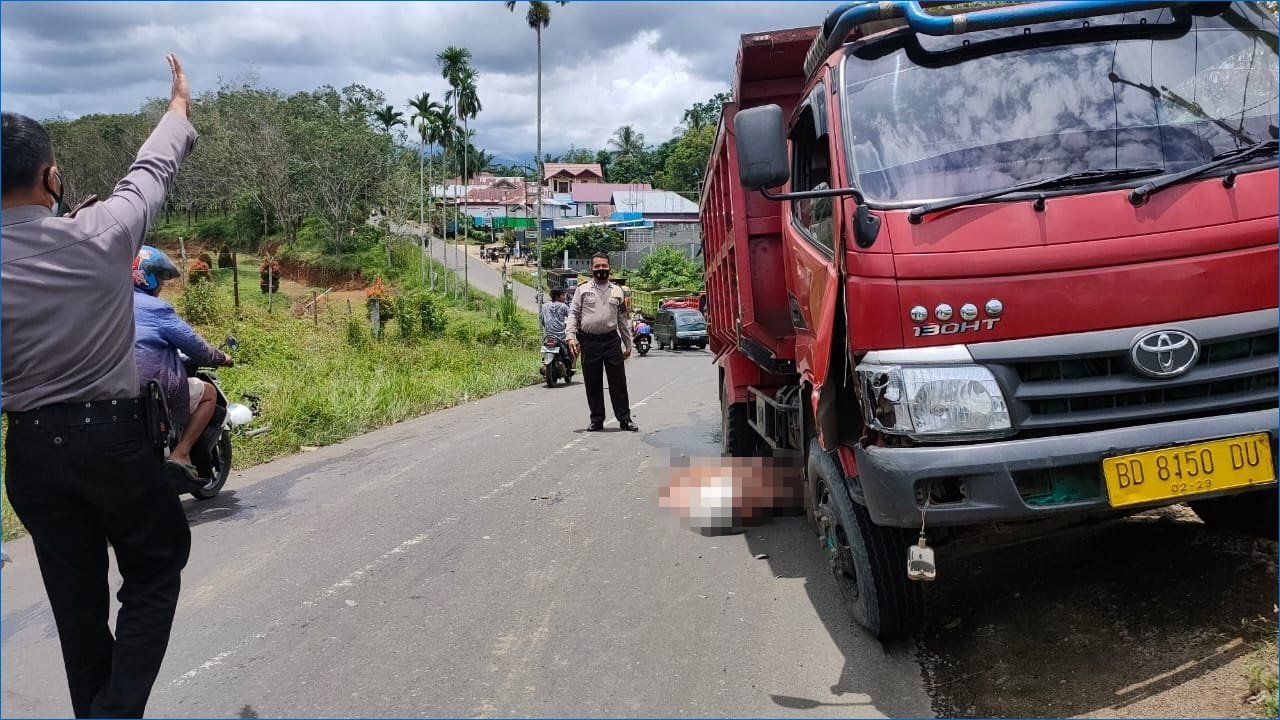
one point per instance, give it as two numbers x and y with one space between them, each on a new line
1164 353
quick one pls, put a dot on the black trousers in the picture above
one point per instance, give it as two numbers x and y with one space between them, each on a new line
601 355
76 489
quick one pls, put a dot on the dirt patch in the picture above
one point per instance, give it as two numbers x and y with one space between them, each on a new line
1153 616
310 276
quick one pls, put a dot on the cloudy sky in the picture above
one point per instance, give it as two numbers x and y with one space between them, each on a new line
605 64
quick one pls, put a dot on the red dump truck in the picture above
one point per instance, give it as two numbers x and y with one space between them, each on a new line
998 272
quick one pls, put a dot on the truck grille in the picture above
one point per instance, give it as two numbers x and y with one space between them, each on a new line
1101 391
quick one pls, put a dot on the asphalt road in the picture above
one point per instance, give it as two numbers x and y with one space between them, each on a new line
483 276
491 560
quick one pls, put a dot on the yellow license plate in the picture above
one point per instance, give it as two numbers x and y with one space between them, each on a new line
1189 470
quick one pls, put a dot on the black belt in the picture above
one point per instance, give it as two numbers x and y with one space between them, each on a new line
600 336
98 412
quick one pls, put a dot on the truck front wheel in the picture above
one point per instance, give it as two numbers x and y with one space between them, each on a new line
868 561
1254 513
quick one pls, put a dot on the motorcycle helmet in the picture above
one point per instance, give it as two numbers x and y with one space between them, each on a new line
150 268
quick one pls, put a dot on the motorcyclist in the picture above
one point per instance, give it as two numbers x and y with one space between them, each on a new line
159 335
553 318
640 327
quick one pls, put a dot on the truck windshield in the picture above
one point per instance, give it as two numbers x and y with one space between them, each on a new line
922 127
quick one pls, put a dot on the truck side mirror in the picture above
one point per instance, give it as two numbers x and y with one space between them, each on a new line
761 139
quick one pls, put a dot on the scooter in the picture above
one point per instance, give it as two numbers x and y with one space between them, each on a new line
643 339
211 453
557 361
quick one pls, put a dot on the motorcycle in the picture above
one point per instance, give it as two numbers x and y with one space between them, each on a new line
557 361
643 339
211 453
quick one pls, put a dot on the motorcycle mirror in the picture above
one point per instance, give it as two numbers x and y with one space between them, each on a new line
232 342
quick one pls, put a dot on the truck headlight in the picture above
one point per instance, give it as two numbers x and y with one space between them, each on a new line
932 402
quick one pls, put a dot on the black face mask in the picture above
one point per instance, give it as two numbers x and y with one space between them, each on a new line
48 186
600 275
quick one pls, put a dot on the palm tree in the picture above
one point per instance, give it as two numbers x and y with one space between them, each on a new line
627 142
454 61
445 132
424 109
538 17
468 107
389 117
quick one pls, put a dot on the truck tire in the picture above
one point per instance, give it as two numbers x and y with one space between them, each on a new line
737 437
868 561
1254 513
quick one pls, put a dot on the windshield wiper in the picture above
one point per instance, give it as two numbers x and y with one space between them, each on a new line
1140 194
1074 178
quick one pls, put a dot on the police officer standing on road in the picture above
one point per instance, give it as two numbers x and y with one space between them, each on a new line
598 328
81 467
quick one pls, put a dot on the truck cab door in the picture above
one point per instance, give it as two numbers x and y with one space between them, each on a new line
813 241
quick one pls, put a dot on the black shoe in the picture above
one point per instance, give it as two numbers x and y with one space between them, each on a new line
595 427
629 426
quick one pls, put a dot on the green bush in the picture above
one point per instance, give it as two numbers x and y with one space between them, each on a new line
357 334
216 230
365 237
429 313
313 233
201 303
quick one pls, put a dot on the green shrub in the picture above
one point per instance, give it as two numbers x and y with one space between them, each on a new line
357 334
406 318
216 230
365 237
201 303
430 316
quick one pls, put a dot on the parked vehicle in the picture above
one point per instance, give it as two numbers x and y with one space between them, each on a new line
563 279
648 302
557 361
211 454
680 328
1018 280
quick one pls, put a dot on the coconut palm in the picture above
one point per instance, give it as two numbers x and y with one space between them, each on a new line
538 17
627 142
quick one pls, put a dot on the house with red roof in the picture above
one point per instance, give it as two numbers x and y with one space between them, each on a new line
561 177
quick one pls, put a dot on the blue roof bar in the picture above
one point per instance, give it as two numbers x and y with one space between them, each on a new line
1012 16
847 17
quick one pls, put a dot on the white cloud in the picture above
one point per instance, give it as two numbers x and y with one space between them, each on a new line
606 64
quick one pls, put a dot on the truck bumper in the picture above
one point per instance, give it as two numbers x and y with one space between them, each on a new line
994 479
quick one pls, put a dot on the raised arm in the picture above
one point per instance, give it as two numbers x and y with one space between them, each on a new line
140 196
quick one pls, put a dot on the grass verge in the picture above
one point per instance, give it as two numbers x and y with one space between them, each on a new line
323 382
527 277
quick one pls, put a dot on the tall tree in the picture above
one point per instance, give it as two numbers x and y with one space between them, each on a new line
389 117
424 112
446 132
627 142
538 17
468 107
454 62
